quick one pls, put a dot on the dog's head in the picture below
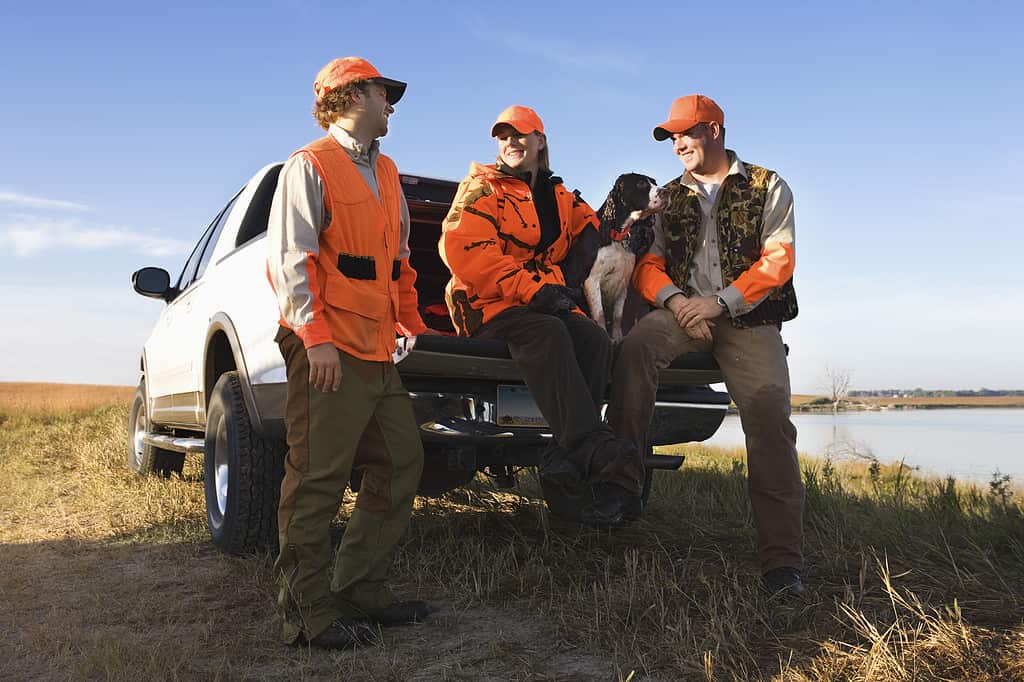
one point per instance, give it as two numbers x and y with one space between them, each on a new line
627 215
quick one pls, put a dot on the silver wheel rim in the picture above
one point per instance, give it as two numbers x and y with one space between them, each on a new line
140 431
221 470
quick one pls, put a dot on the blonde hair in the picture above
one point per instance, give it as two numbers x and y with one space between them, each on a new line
543 161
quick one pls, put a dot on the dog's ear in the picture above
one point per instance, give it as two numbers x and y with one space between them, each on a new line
613 210
641 236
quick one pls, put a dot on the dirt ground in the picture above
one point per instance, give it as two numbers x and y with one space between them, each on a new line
110 610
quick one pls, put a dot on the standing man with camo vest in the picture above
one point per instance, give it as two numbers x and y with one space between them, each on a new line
720 273
338 261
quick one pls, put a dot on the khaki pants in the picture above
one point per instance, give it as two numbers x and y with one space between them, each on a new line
369 424
753 363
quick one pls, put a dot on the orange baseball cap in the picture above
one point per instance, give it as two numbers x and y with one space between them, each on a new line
524 119
687 112
340 72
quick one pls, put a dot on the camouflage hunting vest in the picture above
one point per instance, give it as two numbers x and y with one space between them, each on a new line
740 213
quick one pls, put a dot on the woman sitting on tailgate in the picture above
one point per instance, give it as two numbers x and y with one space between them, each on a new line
509 241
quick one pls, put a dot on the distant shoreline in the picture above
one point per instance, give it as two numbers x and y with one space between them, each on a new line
817 403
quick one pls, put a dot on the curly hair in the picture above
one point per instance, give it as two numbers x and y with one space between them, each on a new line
336 102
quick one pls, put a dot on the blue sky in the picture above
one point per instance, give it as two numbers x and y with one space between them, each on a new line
125 127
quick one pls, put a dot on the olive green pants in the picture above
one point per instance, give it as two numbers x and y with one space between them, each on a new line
367 424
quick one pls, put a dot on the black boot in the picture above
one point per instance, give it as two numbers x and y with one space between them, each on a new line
605 507
343 633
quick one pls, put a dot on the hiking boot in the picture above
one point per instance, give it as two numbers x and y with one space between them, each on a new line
605 508
343 633
632 507
561 472
398 613
784 580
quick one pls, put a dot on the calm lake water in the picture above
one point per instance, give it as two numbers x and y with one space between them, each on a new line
967 443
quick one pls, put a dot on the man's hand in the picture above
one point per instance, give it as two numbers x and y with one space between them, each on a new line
324 367
696 309
697 327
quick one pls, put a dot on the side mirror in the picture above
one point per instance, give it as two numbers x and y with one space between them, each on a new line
152 282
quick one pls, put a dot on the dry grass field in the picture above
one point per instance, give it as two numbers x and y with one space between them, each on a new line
39 399
110 576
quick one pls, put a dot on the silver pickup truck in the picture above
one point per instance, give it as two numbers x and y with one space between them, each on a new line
213 382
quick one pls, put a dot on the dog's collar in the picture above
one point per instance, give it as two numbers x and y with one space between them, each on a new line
619 234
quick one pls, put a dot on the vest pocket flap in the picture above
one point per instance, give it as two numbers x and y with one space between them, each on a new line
356 297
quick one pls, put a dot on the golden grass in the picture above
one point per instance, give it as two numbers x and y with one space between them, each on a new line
110 576
35 399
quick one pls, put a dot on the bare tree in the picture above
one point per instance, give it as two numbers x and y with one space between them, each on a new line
838 385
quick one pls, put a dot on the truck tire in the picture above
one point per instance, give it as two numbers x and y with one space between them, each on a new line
145 459
242 474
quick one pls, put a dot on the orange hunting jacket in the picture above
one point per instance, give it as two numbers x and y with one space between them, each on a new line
489 241
360 288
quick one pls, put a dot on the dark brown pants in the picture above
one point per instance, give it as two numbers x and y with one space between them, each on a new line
565 362
753 363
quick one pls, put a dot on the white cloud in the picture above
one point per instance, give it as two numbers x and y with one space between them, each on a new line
28 201
28 235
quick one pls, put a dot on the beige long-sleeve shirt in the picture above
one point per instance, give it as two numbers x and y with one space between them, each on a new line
297 217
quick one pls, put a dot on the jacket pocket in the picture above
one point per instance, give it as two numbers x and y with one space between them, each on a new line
355 311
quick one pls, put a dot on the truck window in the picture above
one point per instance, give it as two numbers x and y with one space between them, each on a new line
188 272
218 227
254 223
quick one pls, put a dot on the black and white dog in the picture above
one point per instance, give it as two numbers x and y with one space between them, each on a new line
626 233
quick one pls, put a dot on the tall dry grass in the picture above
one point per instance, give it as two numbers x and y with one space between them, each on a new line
110 576
20 399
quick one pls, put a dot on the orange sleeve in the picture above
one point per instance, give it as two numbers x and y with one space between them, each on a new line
649 277
771 271
409 319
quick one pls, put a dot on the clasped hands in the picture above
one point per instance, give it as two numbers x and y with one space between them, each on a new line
694 315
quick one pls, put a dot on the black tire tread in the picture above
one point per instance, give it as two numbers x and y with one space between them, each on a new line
258 470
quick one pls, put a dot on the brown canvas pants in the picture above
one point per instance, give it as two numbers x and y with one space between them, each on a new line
369 424
753 363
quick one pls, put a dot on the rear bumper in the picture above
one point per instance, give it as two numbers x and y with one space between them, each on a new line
453 383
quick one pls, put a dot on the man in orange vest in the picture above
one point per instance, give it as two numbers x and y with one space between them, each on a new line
338 260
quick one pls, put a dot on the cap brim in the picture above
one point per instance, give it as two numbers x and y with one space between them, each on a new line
494 128
395 88
670 128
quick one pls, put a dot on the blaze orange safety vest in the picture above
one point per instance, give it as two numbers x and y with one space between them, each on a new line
358 269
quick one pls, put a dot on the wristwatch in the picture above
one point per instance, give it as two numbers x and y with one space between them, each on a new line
721 303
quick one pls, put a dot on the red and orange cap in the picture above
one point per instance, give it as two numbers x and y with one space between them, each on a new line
524 119
687 112
345 70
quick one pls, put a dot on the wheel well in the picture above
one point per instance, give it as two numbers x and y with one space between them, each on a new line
219 359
